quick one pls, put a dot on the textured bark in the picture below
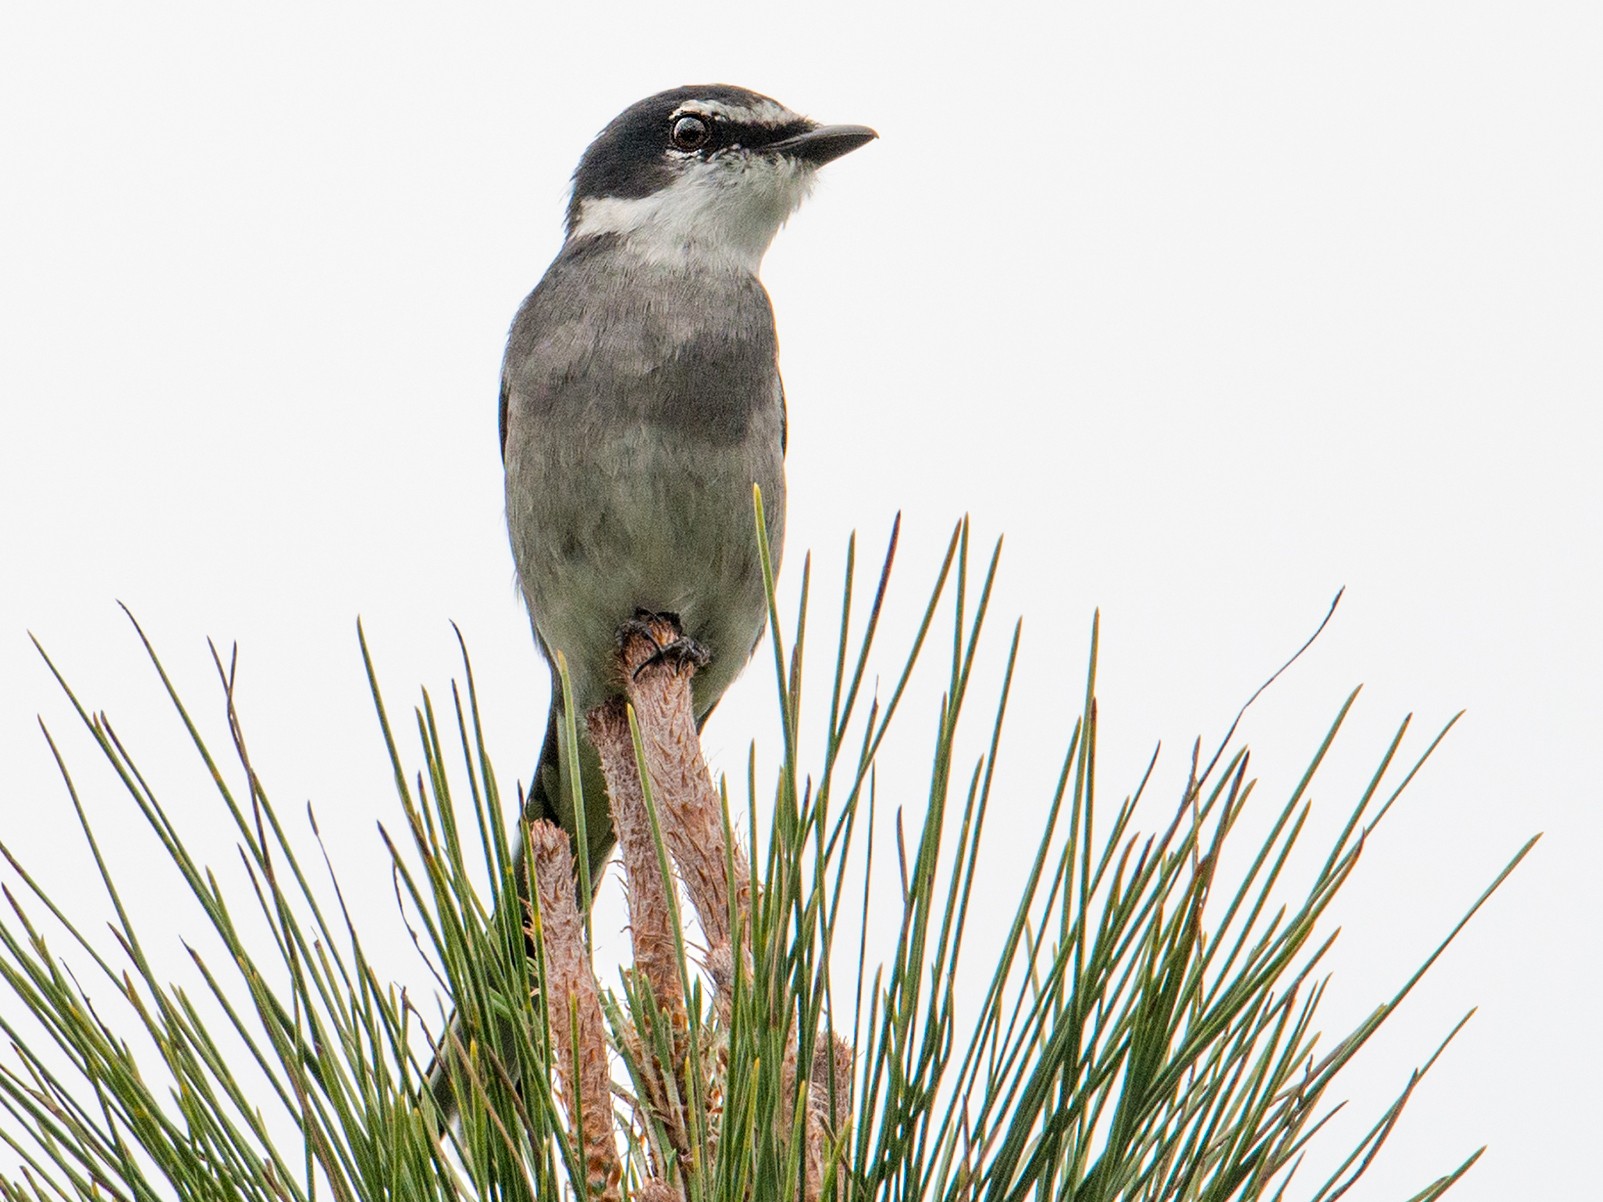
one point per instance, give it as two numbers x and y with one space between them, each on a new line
578 1030
828 1106
657 668
651 931
655 665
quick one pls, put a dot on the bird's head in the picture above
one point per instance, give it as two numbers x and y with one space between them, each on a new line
705 173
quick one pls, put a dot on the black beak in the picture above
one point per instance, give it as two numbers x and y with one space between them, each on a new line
823 143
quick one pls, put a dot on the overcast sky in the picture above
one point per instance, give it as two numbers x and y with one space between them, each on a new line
1211 310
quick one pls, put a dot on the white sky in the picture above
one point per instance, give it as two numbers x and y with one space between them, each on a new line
1210 310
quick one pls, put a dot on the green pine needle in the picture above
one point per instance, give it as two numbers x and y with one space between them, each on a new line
1142 1026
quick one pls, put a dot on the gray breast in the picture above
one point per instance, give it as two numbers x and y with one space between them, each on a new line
609 339
641 402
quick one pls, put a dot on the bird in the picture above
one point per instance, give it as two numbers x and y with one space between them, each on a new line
641 401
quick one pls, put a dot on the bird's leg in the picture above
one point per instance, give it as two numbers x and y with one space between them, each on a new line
666 635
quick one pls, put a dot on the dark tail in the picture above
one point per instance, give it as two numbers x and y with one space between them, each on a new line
540 803
548 799
550 796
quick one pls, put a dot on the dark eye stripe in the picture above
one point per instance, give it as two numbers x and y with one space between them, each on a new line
627 158
754 136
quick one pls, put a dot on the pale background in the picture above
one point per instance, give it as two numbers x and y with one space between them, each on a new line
1210 309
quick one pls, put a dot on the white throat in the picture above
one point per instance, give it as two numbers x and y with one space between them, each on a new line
722 213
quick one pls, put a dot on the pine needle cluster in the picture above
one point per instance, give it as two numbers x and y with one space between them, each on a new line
1142 1027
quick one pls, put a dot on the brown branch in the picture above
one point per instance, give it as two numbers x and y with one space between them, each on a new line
651 931
829 1103
657 666
574 1007
651 928
655 1189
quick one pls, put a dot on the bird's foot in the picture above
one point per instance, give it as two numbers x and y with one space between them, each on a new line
649 639
681 655
648 629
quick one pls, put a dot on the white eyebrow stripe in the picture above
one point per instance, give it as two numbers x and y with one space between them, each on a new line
766 112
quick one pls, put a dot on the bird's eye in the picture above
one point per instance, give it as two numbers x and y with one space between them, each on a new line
691 133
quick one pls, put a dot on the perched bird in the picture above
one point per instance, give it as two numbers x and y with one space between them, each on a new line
641 401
